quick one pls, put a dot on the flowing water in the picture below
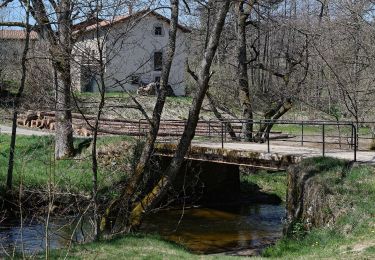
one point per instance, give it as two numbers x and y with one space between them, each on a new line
208 230
202 230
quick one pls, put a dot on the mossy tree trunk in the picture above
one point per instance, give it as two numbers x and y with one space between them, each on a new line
161 188
271 116
133 183
60 42
243 80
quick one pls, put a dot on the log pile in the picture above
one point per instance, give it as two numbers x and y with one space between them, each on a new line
116 126
46 120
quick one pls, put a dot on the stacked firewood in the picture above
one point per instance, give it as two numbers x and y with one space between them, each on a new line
42 120
46 120
116 126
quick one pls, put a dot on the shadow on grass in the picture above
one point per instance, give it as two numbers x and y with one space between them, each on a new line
82 145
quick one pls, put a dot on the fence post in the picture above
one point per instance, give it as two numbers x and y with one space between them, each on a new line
355 142
225 132
268 138
139 129
351 137
209 128
323 138
222 136
302 134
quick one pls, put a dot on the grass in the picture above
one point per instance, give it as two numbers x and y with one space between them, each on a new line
132 247
269 182
353 233
35 165
351 236
175 107
124 95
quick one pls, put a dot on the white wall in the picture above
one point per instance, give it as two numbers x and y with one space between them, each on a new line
129 50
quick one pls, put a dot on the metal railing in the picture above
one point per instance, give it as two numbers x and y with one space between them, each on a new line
324 135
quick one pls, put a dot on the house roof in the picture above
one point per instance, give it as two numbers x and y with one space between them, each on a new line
120 19
17 35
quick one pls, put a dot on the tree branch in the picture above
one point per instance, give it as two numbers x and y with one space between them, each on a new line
13 24
5 3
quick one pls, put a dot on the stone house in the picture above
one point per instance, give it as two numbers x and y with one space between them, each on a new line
134 47
12 44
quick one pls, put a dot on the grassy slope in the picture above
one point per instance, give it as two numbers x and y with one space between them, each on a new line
175 107
36 165
353 234
132 247
352 237
269 182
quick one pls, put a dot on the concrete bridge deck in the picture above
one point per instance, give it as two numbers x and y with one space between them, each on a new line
255 154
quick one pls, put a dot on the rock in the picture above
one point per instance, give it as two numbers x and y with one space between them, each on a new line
153 88
148 90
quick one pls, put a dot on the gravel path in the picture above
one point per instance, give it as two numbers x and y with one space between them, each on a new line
23 131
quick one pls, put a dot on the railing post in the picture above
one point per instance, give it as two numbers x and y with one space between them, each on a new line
225 132
268 138
209 128
351 137
323 138
222 136
302 134
355 142
139 129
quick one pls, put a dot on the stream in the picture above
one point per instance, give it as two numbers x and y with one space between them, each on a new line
201 230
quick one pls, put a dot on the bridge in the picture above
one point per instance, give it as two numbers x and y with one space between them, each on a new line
218 149
289 143
217 156
286 141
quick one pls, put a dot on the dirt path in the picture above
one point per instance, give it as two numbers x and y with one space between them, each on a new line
4 129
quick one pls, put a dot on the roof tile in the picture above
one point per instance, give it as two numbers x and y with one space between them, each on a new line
17 35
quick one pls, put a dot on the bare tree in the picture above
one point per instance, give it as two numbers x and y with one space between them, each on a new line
17 99
243 9
148 149
152 198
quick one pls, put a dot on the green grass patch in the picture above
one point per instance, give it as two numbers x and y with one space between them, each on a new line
352 235
132 247
35 164
269 182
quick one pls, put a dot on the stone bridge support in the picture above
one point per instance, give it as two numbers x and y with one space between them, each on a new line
206 182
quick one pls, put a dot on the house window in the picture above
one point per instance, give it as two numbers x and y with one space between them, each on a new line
158 60
158 30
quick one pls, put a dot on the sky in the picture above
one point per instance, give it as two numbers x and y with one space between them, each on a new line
15 12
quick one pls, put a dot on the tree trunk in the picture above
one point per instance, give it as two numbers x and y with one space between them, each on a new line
17 101
148 149
64 130
271 116
158 192
243 80
219 116
62 55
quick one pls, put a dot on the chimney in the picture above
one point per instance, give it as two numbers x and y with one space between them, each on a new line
130 9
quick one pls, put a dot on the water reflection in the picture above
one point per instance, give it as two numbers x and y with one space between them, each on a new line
206 230
31 238
202 230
